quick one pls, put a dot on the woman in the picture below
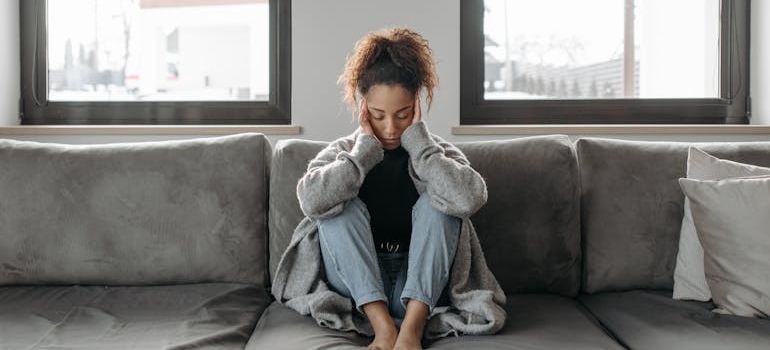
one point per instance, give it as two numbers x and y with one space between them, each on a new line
387 211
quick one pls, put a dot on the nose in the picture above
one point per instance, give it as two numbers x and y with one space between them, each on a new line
390 128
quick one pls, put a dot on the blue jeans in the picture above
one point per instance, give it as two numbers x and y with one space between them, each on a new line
354 269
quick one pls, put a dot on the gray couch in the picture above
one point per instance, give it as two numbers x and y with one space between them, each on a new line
171 245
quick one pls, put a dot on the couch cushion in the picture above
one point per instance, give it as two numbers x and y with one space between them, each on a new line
281 328
195 316
166 212
689 276
632 207
652 320
535 321
529 228
290 159
732 225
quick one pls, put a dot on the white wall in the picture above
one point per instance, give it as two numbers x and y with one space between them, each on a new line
760 62
9 62
324 32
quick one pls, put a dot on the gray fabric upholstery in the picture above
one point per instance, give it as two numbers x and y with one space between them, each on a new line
195 316
632 208
281 328
290 160
652 320
539 321
534 322
529 228
168 212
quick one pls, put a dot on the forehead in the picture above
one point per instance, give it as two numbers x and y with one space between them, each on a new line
388 97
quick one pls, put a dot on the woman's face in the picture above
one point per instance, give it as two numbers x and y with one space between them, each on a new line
391 110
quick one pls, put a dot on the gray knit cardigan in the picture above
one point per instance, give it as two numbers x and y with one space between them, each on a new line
334 177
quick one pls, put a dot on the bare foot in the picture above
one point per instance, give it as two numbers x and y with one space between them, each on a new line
385 333
412 327
408 340
383 339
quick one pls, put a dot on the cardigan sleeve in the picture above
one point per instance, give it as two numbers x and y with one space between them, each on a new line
454 186
335 175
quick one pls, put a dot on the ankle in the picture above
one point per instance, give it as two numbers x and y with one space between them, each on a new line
411 330
385 330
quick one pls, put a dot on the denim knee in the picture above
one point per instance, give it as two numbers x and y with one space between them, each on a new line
422 206
355 209
425 212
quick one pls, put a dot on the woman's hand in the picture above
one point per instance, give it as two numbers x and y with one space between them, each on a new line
363 118
417 109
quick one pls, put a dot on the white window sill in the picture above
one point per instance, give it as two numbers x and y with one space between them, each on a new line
149 129
586 129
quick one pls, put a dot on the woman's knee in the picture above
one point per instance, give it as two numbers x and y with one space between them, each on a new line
424 211
353 214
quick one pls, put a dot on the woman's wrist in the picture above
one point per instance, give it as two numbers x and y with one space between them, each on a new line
368 150
416 137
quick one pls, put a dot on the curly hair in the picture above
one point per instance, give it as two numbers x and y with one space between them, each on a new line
392 56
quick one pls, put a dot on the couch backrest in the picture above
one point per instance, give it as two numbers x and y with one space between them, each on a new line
529 228
632 208
168 212
290 160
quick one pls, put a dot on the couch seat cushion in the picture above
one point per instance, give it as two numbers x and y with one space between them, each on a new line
196 316
281 328
535 321
652 320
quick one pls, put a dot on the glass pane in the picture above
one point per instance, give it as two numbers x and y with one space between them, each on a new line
566 49
158 50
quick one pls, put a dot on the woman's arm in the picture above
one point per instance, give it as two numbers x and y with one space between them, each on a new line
336 174
455 188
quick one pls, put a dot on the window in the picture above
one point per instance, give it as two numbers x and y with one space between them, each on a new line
604 62
155 61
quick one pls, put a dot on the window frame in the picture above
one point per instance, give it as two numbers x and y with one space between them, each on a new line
37 109
731 108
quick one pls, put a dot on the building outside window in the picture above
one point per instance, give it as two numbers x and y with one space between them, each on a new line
156 62
604 61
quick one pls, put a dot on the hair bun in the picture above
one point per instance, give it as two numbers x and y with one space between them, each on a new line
392 55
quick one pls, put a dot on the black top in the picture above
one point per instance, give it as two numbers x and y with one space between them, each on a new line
389 194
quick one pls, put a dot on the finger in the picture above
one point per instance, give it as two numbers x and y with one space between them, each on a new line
417 107
361 107
362 112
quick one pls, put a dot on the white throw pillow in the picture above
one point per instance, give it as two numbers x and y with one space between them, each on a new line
689 277
732 218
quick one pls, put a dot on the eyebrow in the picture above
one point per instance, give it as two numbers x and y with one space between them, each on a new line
401 109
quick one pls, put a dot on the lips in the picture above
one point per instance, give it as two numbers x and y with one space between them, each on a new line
390 143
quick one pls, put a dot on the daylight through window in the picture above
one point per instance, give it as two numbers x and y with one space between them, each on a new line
158 50
564 49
